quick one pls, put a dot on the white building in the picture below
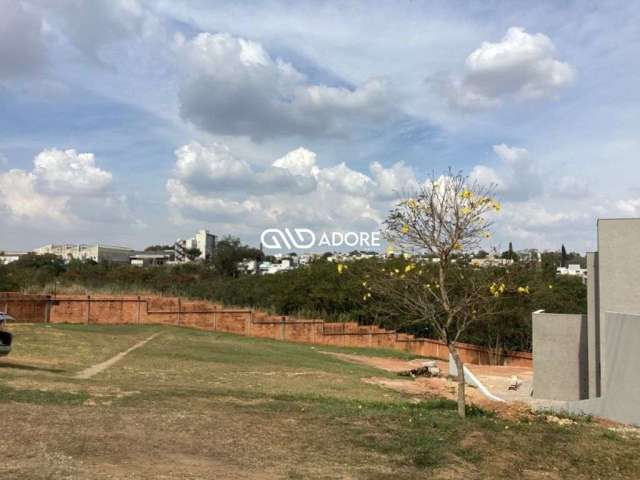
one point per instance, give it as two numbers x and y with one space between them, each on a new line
529 255
490 261
204 241
253 267
8 257
97 253
150 258
268 268
572 269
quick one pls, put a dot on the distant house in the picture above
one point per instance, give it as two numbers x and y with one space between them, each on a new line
146 259
281 264
573 269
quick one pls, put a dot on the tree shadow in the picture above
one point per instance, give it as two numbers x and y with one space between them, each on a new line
18 366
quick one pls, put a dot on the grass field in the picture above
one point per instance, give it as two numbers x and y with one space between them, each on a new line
192 404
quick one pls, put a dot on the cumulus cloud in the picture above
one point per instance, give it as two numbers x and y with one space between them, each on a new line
22 49
299 162
65 187
21 200
213 168
516 178
521 66
69 172
234 86
393 181
293 190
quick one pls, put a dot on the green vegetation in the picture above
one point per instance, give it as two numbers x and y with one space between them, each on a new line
189 403
314 291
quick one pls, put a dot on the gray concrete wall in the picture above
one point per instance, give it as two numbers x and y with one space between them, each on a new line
619 272
593 324
621 393
621 383
560 356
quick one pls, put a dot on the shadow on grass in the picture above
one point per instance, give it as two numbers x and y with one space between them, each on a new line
19 366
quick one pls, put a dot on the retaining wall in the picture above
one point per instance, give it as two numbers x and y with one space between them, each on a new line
131 309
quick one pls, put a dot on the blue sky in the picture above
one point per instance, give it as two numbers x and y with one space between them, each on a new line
135 122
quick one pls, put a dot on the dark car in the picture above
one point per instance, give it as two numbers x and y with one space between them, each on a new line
5 337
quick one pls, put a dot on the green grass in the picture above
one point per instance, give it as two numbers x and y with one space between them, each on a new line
243 406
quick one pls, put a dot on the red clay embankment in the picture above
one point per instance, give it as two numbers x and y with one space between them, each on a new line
130 309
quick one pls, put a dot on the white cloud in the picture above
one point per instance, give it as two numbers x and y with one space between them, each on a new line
335 197
521 66
343 179
299 162
70 173
233 86
213 168
211 163
393 181
63 187
516 178
629 207
204 207
21 200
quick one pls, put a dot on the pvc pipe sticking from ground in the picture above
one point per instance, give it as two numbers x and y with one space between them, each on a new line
471 379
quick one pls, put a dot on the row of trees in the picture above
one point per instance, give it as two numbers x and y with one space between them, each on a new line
317 291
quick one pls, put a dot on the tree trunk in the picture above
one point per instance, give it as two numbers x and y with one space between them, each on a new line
461 384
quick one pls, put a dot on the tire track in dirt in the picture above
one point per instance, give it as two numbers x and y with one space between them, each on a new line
100 367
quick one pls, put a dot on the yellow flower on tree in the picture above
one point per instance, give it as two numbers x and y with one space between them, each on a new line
405 228
467 194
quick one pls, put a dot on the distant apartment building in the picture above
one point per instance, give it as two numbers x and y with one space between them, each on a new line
204 241
490 261
97 253
8 257
529 255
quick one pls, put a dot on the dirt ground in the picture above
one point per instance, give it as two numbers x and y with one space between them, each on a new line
496 378
199 405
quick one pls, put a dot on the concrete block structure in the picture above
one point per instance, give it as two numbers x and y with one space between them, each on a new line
591 362
560 352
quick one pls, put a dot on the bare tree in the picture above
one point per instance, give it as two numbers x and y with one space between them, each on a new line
444 219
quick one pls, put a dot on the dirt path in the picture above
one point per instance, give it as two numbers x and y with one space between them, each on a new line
444 387
100 367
